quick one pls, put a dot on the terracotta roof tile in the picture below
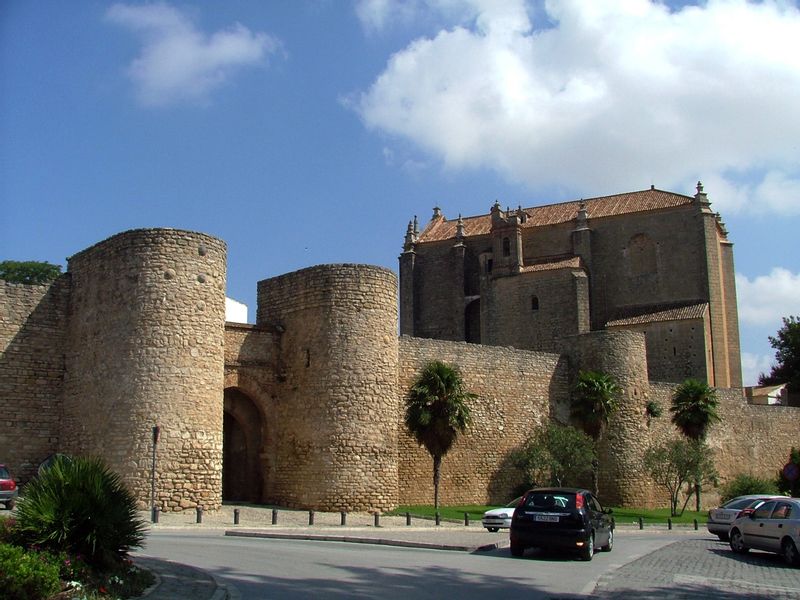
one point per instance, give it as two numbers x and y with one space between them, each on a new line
605 206
561 262
660 313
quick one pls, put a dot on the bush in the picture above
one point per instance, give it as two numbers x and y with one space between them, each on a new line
80 507
743 485
27 575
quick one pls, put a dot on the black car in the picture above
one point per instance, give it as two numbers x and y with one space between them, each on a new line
561 519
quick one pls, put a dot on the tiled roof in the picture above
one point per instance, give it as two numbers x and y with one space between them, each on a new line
660 313
561 262
605 206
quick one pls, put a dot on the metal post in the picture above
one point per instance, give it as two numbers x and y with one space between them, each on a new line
641 523
377 519
199 514
669 524
274 516
344 518
235 516
311 517
154 510
408 519
695 524
466 519
438 518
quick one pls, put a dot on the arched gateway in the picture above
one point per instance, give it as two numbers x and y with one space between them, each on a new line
242 443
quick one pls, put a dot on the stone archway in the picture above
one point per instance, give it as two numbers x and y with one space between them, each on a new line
242 442
472 322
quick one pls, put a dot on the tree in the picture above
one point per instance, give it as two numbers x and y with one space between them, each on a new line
555 455
787 345
436 412
786 485
694 410
680 462
31 272
596 398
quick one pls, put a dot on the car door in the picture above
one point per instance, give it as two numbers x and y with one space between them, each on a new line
776 526
600 521
753 529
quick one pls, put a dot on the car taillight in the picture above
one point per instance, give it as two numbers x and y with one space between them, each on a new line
8 484
579 501
745 512
521 502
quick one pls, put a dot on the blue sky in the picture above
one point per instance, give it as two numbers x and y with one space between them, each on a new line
311 131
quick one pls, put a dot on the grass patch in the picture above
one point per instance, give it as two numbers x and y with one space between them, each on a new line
621 515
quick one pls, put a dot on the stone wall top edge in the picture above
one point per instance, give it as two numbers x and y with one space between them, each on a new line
143 232
331 267
433 343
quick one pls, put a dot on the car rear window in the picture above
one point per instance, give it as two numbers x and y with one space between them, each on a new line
549 500
4 474
741 503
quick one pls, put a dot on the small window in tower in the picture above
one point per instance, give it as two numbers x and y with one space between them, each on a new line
506 247
534 303
489 265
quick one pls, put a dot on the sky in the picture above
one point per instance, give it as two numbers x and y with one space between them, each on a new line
305 132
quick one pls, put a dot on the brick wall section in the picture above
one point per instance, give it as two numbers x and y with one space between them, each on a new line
517 391
146 337
32 319
336 444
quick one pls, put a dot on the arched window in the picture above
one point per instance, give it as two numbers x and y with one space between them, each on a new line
506 247
534 302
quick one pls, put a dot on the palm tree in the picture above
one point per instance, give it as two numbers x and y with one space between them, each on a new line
694 410
596 398
436 412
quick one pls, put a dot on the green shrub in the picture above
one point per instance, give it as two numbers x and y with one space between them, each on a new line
744 484
80 507
27 575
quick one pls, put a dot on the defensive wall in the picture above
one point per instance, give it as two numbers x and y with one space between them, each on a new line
304 408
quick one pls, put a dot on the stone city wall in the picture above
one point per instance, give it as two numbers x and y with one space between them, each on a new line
32 341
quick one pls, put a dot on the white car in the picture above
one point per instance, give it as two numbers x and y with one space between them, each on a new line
500 518
720 519
774 526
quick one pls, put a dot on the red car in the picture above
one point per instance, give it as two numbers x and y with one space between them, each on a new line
8 488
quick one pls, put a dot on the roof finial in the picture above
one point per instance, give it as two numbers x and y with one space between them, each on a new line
460 228
416 226
437 212
699 187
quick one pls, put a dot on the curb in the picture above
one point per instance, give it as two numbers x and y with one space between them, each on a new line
363 540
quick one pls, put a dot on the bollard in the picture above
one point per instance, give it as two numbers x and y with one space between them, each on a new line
466 519
438 518
669 524
311 517
154 515
344 518
274 516
695 524
408 519
377 519
199 514
641 523
235 516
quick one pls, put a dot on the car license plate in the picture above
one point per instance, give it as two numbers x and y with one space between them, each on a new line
546 518
723 517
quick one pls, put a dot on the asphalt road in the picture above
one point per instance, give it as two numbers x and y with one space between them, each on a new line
268 568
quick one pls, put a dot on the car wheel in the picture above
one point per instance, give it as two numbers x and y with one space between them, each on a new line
517 549
587 552
493 529
610 545
10 505
737 542
789 552
723 537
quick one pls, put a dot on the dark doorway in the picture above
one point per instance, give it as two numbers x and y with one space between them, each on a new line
472 322
241 448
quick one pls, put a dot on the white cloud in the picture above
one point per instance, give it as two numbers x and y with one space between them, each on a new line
610 95
766 299
178 62
754 365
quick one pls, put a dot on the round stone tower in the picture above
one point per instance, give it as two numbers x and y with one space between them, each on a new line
146 332
337 405
622 355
